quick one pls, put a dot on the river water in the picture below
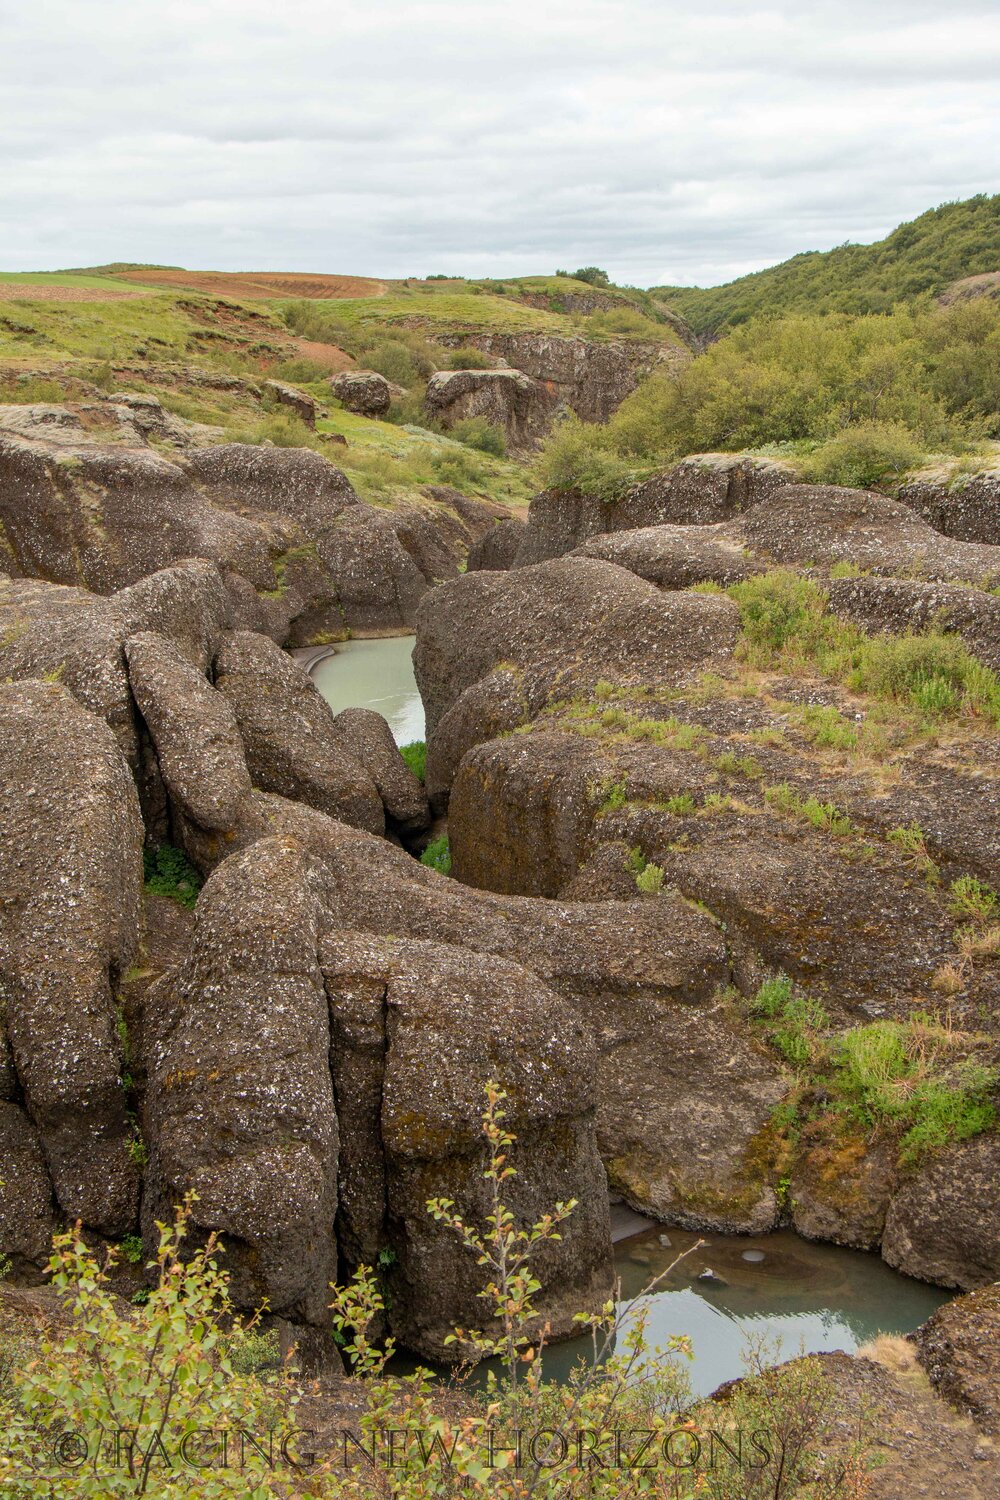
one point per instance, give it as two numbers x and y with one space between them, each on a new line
375 674
776 1287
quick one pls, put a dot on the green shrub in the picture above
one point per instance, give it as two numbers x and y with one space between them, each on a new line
468 358
593 275
437 855
476 432
169 872
415 755
576 457
649 880
130 1246
863 456
160 1370
935 673
903 1072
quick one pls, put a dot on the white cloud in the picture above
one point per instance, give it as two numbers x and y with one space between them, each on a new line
666 143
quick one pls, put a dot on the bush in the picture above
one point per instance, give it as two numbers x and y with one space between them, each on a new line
155 1375
476 432
593 275
576 457
649 880
863 456
168 872
393 360
468 359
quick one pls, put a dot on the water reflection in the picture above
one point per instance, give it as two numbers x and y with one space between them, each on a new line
812 1297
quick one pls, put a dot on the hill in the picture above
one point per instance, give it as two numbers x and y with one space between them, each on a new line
944 245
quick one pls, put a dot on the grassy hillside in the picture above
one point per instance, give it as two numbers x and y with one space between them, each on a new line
925 256
205 358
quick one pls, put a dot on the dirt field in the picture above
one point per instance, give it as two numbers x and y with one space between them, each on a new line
264 284
51 291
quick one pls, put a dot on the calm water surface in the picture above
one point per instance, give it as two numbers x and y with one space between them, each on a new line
375 674
816 1297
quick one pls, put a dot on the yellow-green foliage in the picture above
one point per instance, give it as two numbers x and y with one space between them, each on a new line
924 256
859 399
787 625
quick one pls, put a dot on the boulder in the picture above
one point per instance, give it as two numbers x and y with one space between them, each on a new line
574 620
496 549
507 399
27 1210
675 557
897 605
194 730
943 1221
815 523
363 392
48 629
239 1105
71 877
448 1021
289 733
293 400
403 796
967 508
591 378
959 1348
706 488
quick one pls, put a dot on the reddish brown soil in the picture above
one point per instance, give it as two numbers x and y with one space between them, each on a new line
256 285
48 291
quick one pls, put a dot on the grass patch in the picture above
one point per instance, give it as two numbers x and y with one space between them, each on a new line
415 755
437 855
787 626
822 815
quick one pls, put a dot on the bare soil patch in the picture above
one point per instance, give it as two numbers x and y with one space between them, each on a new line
262 284
48 291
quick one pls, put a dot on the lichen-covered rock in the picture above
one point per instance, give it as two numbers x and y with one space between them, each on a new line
70 877
188 602
591 378
706 488
240 1104
816 523
959 1347
575 619
497 548
194 730
967 508
902 604
362 391
293 400
450 1020
370 738
507 399
47 629
943 1221
27 1216
676 557
841 1183
378 583
289 733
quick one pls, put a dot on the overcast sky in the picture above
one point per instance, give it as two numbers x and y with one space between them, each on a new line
669 143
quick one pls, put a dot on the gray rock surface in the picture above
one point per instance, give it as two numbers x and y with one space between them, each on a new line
70 876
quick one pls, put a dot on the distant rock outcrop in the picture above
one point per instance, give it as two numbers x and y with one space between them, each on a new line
507 399
363 392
